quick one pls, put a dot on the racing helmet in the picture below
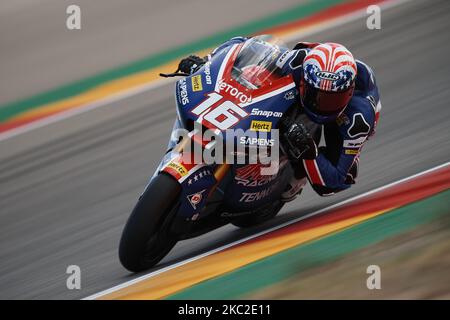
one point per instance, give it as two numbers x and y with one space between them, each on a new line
328 82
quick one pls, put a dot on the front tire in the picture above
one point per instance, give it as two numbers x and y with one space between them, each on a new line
145 239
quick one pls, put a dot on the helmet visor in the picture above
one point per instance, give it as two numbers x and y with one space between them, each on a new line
325 102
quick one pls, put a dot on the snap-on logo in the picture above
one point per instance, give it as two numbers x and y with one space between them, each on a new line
325 75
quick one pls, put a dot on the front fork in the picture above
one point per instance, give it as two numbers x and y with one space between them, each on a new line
219 173
220 170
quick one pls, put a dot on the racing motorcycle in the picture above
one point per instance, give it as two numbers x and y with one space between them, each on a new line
239 88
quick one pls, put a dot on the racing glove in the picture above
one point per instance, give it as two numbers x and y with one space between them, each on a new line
300 144
191 64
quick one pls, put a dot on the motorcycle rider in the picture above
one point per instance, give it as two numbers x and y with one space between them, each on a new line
334 91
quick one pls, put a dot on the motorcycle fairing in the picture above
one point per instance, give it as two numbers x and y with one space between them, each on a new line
195 191
265 105
196 180
248 189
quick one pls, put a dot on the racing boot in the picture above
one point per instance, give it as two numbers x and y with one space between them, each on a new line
293 189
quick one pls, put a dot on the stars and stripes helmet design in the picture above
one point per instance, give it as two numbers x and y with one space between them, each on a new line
329 72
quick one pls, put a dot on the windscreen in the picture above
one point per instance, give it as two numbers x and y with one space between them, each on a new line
255 64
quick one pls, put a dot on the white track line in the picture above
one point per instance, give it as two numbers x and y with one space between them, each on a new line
156 84
339 204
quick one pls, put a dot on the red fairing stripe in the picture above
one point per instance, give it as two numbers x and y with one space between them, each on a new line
313 172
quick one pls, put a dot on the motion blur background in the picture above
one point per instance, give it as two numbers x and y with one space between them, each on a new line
40 53
66 189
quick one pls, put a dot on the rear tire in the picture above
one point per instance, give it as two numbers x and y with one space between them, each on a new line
145 238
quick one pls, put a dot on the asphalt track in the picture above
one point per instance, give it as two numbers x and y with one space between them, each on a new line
39 53
66 189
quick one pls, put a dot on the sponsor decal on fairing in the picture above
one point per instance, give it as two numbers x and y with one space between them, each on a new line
266 113
260 126
195 198
183 92
196 82
234 92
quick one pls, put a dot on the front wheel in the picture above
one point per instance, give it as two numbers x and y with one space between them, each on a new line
145 238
